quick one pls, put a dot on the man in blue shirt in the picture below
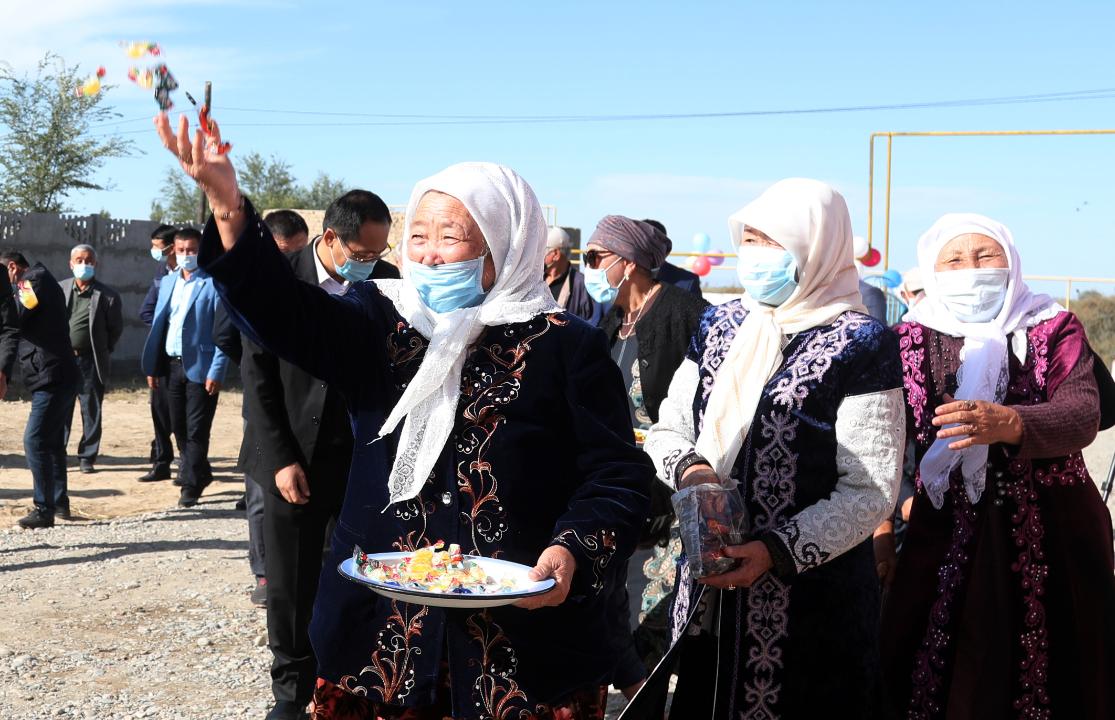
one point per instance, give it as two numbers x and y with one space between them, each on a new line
181 348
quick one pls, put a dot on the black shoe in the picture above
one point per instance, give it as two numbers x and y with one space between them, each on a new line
259 593
62 512
87 467
188 497
242 503
37 519
286 710
158 472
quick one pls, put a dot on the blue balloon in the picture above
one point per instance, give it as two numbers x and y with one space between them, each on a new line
892 278
702 242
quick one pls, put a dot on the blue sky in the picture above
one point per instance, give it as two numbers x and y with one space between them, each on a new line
581 58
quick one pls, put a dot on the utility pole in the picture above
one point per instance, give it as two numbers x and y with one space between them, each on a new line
203 206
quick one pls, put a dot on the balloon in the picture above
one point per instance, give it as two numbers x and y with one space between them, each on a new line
715 260
690 261
702 266
702 242
892 278
859 247
872 258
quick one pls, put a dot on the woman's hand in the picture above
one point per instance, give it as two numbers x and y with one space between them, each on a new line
755 560
697 475
978 423
556 562
212 171
886 555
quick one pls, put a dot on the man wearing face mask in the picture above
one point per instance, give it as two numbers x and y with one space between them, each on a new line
50 374
566 284
181 348
162 450
298 445
96 322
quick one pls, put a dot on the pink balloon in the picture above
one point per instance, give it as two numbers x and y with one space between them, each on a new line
702 266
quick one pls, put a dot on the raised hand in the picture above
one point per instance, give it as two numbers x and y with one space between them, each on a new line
212 171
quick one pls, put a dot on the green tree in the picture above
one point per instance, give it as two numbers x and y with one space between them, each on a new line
267 181
180 199
323 191
51 147
1097 312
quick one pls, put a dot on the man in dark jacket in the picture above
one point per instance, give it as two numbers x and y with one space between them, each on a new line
9 333
671 274
51 375
96 322
298 446
566 283
162 449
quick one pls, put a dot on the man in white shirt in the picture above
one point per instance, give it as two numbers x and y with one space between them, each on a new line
181 348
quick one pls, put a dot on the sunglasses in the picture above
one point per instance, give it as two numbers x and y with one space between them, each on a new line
593 258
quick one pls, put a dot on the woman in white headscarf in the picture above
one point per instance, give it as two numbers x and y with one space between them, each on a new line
482 415
795 393
1003 601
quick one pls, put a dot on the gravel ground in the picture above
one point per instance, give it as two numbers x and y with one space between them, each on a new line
145 615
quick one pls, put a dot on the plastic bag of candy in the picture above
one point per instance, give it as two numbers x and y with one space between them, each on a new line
711 517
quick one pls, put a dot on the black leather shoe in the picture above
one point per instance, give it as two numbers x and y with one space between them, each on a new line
87 467
159 472
62 512
188 497
37 519
286 710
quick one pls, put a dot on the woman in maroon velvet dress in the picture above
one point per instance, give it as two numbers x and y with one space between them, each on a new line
1003 601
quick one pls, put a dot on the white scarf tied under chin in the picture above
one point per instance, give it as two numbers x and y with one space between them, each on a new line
983 372
810 220
508 213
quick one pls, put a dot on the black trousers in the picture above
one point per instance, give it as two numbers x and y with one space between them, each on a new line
90 398
162 452
294 536
191 420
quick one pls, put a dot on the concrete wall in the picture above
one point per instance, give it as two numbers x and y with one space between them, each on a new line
123 263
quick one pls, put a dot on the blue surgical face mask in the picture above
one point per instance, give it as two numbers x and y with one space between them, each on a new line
158 255
84 272
449 286
186 262
769 275
352 270
598 286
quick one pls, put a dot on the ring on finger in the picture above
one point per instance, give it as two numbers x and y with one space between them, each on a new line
970 406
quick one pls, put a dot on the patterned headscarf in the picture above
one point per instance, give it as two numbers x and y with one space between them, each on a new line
634 240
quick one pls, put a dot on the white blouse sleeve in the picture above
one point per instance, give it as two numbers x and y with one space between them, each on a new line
672 438
870 437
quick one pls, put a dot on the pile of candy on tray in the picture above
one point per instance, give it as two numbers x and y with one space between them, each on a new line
431 569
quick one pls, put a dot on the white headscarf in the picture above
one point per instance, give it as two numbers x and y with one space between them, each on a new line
810 220
983 360
510 217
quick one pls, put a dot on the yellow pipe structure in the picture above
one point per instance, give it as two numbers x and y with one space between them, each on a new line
890 135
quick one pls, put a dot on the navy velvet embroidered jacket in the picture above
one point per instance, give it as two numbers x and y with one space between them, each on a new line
542 453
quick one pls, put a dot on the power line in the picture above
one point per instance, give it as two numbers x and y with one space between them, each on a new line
396 120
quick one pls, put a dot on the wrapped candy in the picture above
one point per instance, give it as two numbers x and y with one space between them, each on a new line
143 77
711 517
92 84
139 49
27 296
164 85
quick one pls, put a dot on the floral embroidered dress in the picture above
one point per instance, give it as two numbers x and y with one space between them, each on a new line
817 471
541 453
1006 608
